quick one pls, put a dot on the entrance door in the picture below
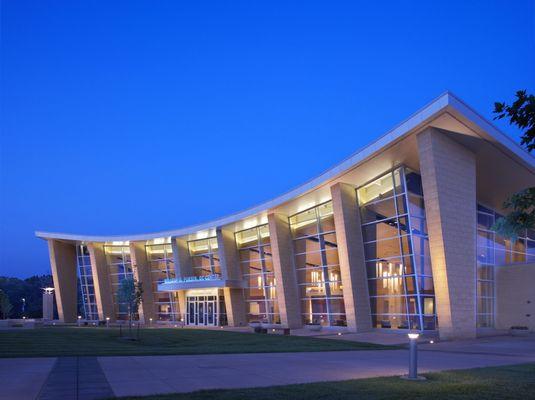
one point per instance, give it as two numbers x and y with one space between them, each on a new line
202 310
210 312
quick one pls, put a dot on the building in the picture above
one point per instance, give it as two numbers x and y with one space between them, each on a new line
396 237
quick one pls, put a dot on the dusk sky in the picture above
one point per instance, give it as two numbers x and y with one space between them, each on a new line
139 116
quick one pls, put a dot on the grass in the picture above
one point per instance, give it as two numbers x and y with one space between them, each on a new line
74 341
511 382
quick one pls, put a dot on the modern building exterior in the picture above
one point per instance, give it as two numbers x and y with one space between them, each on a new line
395 237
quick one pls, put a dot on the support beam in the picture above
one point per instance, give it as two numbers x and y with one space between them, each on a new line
181 297
141 270
448 172
63 264
285 274
183 266
230 270
101 281
351 256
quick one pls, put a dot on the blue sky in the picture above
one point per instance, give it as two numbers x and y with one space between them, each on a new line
135 116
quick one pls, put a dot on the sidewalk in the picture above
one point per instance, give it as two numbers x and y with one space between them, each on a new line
26 378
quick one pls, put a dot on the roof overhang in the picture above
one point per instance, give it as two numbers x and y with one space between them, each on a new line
445 111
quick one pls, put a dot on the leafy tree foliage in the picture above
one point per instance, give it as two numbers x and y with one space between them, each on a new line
30 289
522 114
129 293
5 305
522 204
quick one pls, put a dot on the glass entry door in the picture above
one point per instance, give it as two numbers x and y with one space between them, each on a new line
202 310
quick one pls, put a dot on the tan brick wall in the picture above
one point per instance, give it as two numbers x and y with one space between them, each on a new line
283 268
101 281
515 296
63 264
141 270
448 172
235 306
351 256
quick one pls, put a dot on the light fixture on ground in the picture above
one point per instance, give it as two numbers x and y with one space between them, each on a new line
413 358
79 319
107 322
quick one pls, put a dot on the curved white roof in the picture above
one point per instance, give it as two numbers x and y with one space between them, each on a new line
447 102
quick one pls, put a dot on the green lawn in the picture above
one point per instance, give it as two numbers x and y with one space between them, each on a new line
74 341
512 382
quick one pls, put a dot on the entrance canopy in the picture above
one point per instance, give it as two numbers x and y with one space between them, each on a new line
199 282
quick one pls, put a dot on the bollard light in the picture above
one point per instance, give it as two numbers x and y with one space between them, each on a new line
413 357
79 319
107 322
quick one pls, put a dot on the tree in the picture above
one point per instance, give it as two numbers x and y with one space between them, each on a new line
522 114
5 305
129 293
522 204
30 289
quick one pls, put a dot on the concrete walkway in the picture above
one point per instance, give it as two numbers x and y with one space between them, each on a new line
22 378
168 374
79 378
145 375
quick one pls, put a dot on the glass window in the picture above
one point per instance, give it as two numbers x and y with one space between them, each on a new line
397 251
257 267
316 259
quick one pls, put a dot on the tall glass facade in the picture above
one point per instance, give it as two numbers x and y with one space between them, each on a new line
396 248
119 266
204 256
257 270
493 250
318 268
87 287
162 266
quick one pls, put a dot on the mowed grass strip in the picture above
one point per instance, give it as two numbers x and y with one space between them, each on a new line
90 341
511 382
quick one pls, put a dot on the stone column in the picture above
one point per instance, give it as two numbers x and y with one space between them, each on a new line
101 281
448 172
141 270
48 305
183 266
63 265
230 270
351 256
181 296
285 274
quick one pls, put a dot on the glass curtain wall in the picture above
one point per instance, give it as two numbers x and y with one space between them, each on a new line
257 270
87 287
162 266
120 268
396 248
318 269
204 257
493 250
